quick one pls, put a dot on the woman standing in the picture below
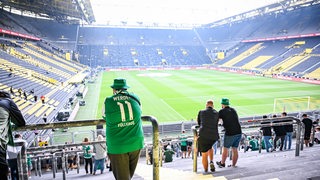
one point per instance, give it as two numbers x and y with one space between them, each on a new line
100 156
87 155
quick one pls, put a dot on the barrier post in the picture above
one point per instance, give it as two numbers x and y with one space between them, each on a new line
260 140
39 167
22 161
195 147
298 140
54 165
155 148
313 133
78 162
302 136
63 164
36 167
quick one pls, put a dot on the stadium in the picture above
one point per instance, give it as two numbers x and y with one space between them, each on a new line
58 62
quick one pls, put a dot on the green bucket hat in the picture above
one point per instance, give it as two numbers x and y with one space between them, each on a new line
225 101
119 83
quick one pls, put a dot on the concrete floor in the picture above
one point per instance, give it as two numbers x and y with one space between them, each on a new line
282 165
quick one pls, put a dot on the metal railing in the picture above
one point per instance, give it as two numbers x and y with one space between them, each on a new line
22 158
271 122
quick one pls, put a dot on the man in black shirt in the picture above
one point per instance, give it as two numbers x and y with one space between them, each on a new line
280 133
233 132
289 132
267 134
208 134
307 129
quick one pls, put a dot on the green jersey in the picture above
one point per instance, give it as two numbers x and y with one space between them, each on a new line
183 139
86 152
124 131
168 155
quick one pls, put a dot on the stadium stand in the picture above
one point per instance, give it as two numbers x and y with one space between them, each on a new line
285 43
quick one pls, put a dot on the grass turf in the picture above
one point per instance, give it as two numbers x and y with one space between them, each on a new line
178 95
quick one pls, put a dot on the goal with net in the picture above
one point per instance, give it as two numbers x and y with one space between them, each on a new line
292 104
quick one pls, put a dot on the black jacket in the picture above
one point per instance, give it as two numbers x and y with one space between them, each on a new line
15 114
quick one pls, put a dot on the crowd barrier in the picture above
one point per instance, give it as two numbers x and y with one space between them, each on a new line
63 153
270 122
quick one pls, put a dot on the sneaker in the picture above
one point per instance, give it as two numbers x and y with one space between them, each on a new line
212 168
220 164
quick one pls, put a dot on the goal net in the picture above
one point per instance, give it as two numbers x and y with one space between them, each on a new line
292 104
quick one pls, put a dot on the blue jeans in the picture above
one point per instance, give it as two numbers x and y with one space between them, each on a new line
99 163
215 145
267 143
289 139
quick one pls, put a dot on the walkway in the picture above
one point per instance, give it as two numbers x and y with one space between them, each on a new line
281 165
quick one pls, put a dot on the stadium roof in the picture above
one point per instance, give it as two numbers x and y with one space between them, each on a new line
64 11
178 13
173 12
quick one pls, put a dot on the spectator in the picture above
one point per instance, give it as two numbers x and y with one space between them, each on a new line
208 134
44 117
43 99
215 147
12 153
87 155
150 155
100 156
9 113
25 95
189 148
280 133
168 154
307 129
253 144
20 92
46 160
183 144
233 132
122 113
176 148
317 135
289 132
267 135
11 91
71 158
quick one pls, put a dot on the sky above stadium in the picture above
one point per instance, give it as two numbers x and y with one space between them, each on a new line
164 12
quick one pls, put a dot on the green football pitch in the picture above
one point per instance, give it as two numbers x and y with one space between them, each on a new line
178 95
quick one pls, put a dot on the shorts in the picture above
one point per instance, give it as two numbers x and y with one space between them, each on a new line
307 135
205 144
232 141
183 148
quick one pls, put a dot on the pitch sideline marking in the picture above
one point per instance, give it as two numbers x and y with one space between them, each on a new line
183 118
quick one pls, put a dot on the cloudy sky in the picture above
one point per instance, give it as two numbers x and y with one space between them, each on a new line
114 12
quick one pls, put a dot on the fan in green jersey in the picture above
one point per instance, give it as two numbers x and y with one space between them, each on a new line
124 133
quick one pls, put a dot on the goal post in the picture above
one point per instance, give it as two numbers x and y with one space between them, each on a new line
291 104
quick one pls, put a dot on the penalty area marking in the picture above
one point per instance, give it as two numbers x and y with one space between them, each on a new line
154 74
